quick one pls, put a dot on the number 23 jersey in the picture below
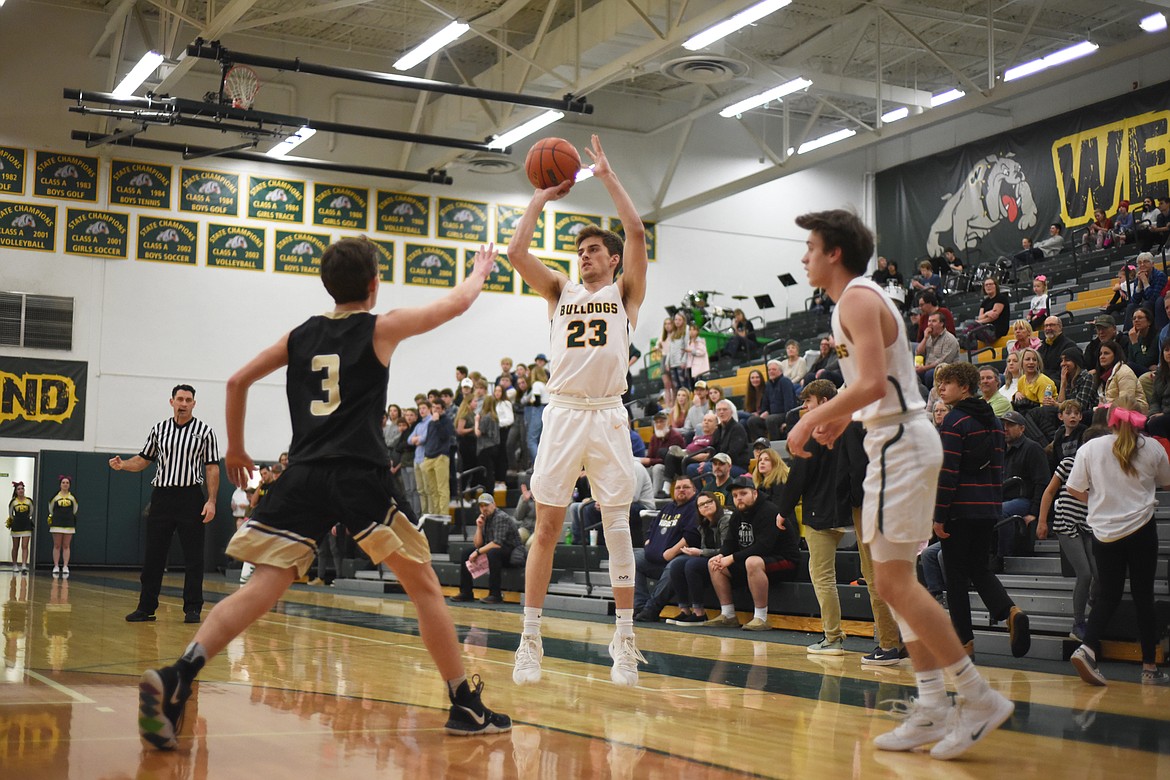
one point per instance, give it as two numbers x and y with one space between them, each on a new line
336 389
589 343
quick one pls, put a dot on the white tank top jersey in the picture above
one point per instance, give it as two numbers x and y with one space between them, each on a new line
589 343
902 394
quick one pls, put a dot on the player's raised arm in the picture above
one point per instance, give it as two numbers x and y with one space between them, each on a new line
399 324
547 282
239 463
634 261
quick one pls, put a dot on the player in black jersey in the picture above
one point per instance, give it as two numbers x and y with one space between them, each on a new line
338 367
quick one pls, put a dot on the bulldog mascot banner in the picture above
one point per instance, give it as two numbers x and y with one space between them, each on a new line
984 198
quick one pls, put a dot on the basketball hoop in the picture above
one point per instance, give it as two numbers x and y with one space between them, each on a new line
241 84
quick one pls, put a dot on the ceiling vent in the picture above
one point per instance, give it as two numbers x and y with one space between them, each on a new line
488 162
704 69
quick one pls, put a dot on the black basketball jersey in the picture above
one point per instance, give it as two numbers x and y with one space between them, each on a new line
336 389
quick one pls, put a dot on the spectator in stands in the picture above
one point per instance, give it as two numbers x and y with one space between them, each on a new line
1055 343
405 451
820 302
518 437
418 439
1067 438
1076 384
674 353
1098 232
688 572
967 510
793 365
939 412
1068 519
436 464
662 352
487 443
1023 458
1025 337
820 483
882 274
1149 285
1117 476
1159 420
731 438
1153 226
695 361
464 423
674 528
771 473
698 450
714 395
1028 253
1054 243
680 409
937 348
927 305
753 394
1124 288
755 550
1141 352
1011 377
1105 329
506 371
1116 379
1034 386
826 363
952 263
926 279
497 535
1123 227
743 337
779 398
991 323
637 443
718 477
1040 305
700 406
1164 331
894 275
507 418
534 402
662 438
989 385
390 425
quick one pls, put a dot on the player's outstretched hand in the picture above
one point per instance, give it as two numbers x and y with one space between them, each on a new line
597 154
485 258
239 467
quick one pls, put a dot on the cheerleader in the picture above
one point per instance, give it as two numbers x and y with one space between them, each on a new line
62 526
20 520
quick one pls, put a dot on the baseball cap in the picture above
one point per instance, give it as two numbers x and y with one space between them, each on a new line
722 457
700 385
661 414
541 356
466 382
761 444
486 498
1013 417
743 481
1104 321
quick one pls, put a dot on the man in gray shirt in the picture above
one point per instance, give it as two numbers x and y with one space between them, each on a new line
939 346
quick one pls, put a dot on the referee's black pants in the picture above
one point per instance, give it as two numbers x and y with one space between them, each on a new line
173 510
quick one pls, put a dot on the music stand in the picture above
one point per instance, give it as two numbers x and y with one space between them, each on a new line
788 280
764 302
671 310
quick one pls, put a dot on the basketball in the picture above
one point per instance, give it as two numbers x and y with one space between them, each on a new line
551 161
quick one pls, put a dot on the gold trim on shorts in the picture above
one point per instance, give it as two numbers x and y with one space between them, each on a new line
258 543
395 534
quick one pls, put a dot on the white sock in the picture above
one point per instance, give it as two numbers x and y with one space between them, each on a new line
761 613
932 689
968 682
625 622
727 610
532 621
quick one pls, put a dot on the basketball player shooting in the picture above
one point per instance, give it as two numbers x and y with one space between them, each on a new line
585 423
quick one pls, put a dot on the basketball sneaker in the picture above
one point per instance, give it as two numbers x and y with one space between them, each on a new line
882 657
528 657
971 722
468 716
920 726
162 695
625 655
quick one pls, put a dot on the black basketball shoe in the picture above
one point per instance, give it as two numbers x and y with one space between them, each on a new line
468 716
162 695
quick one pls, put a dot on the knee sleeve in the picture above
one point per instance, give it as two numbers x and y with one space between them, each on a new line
908 634
615 522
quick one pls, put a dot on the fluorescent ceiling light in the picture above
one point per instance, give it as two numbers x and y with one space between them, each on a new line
765 97
1152 23
448 34
137 74
292 142
825 140
728 26
1056 58
895 115
525 130
945 97
586 172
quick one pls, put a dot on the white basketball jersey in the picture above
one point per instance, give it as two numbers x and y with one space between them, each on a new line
901 379
590 343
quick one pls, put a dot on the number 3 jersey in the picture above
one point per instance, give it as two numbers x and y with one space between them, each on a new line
590 343
336 389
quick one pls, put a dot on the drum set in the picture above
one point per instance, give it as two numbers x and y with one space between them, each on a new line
706 314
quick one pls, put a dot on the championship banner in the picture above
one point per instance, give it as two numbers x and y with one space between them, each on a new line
463 220
501 279
97 233
168 240
403 213
556 264
235 246
982 199
566 226
42 399
615 226
385 259
12 170
65 176
146 185
26 226
506 219
340 207
279 200
202 191
430 266
298 252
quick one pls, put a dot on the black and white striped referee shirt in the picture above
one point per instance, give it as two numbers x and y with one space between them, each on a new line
182 452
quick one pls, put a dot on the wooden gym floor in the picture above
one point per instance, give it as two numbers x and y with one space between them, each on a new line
333 686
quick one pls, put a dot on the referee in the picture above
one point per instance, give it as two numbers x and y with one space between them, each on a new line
188 456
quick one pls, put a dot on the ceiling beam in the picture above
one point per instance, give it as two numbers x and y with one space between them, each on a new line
214 29
310 9
113 24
